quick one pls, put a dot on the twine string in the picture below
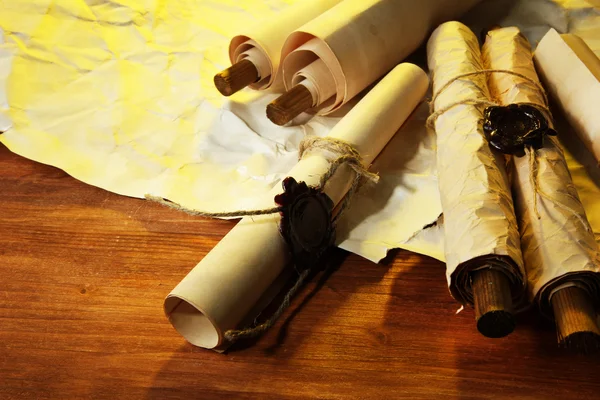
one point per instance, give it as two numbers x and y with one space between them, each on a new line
488 72
533 177
225 214
346 155
233 335
430 123
530 151
535 184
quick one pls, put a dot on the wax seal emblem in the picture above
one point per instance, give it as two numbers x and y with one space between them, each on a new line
511 128
305 221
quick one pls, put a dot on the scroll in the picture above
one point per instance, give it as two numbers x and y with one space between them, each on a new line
332 58
221 290
559 249
255 55
571 72
484 264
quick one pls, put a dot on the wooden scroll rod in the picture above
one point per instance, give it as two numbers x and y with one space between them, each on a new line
493 303
576 324
289 105
236 77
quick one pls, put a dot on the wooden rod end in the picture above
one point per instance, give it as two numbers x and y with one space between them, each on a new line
289 105
236 77
575 316
493 303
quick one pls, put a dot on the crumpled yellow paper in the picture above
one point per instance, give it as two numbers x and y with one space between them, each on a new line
119 94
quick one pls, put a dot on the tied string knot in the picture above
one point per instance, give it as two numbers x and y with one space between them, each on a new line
527 143
293 203
346 155
430 123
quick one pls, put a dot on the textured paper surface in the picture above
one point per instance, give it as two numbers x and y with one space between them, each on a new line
217 294
268 37
558 247
368 37
584 20
120 95
376 223
558 63
479 222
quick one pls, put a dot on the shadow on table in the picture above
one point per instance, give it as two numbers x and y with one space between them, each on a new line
526 364
269 355
316 281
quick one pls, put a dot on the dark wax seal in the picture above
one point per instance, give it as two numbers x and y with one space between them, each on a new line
305 221
512 128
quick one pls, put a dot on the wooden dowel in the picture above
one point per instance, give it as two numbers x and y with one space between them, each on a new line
289 105
575 317
236 77
493 303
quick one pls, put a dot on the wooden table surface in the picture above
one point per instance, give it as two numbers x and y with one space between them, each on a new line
83 273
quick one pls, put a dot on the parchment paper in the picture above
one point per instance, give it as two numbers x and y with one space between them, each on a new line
366 38
120 95
479 221
218 293
569 59
558 247
262 43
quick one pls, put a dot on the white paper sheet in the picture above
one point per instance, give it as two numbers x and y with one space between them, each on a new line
120 95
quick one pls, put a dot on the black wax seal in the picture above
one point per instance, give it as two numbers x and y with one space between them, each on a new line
512 128
305 221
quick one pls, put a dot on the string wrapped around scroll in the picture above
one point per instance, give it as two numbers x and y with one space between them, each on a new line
558 244
306 224
213 299
480 227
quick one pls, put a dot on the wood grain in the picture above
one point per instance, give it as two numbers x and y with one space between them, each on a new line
493 303
289 105
236 77
83 273
576 322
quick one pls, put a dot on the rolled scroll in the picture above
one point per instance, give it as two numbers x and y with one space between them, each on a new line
559 248
571 73
480 227
220 291
342 51
255 54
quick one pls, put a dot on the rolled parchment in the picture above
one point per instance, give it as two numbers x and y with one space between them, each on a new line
479 222
571 73
356 42
559 247
260 48
220 291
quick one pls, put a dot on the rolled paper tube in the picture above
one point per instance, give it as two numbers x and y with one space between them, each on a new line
571 73
559 247
360 40
480 226
261 46
220 291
